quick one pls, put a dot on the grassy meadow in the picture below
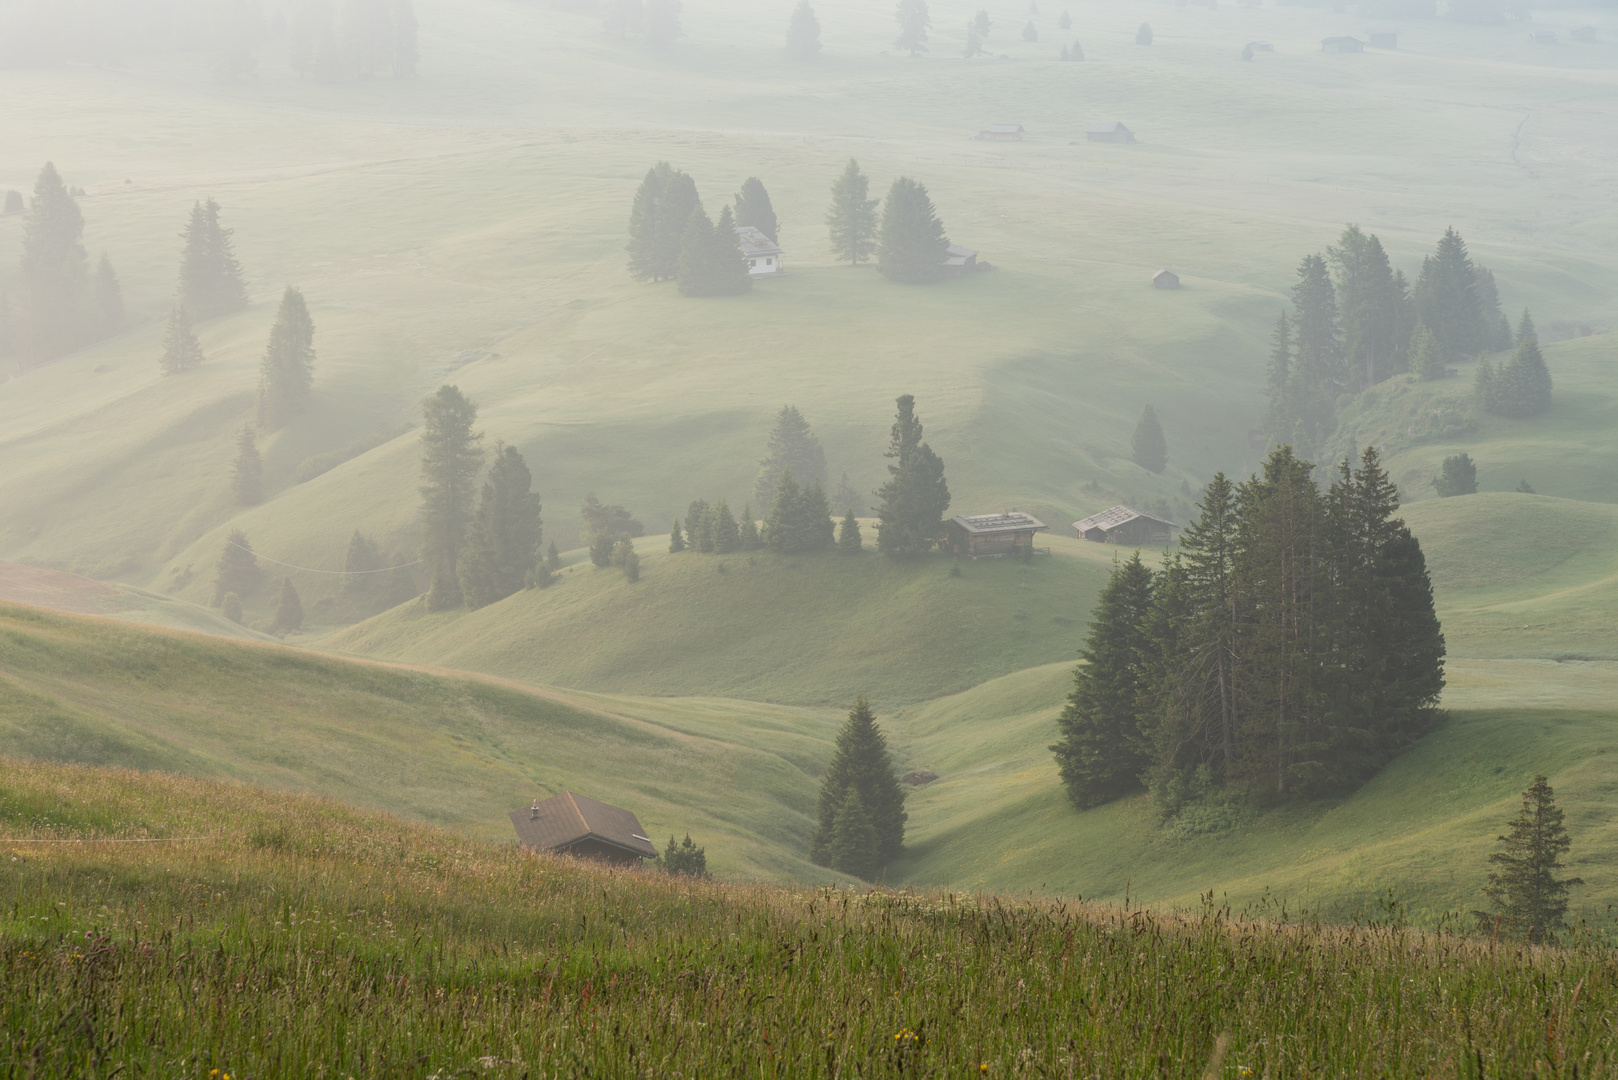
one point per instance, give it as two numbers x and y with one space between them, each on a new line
161 926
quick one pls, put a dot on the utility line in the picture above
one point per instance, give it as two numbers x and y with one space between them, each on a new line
309 570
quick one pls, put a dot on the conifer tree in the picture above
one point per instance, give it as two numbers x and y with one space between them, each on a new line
687 859
854 842
815 528
781 531
1283 414
108 300
676 538
729 266
803 33
553 559
1446 298
602 547
181 349
661 23
1522 387
1367 306
911 245
851 218
1458 477
910 517
451 457
1143 36
1524 887
981 24
55 270
726 537
612 521
210 276
860 764
286 373
1075 51
247 471
792 445
848 536
657 222
753 208
288 610
1497 328
1066 21
502 544
846 497
1101 753
914 22
237 570
362 578
699 526
1148 448
750 539
974 41
1487 387
1426 357
1030 32
631 563
697 273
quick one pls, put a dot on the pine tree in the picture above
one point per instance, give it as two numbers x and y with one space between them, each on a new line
1367 306
780 531
699 526
288 610
1030 32
1524 383
658 220
1075 51
1318 375
661 23
792 445
237 570
1282 416
362 578
854 842
55 270
860 764
726 537
286 373
696 274
981 24
1143 36
109 300
852 216
631 563
846 498
181 349
911 245
676 538
1487 387
502 544
914 22
247 471
451 457
210 277
848 536
1100 754
750 538
803 33
1426 358
1458 477
815 528
753 205
1446 299
1066 21
1497 326
911 515
553 559
1148 448
730 274
1525 890
974 41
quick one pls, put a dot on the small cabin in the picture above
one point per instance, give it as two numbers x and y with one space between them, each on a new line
1165 279
1125 525
1382 39
1542 37
993 536
1002 133
570 824
1342 45
960 261
1583 33
1261 46
1108 131
763 254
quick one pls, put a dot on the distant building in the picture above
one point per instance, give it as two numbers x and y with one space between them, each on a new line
1108 131
1165 279
1583 33
1001 133
1382 39
993 536
1261 46
571 824
1341 44
960 261
763 254
1542 37
1125 525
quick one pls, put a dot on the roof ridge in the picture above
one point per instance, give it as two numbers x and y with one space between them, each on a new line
574 803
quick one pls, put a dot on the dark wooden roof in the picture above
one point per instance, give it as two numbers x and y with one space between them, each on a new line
558 823
754 243
1118 515
1004 129
1010 521
1105 127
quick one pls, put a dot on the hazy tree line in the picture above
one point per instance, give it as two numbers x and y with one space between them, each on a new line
1289 648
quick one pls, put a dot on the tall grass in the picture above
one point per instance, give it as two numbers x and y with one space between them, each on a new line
292 936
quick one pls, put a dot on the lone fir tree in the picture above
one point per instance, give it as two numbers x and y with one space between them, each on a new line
911 245
753 208
502 544
851 217
286 374
848 534
55 270
181 349
859 766
247 471
288 610
210 276
792 445
676 538
914 22
451 456
1459 476
1148 448
910 517
1528 896
803 33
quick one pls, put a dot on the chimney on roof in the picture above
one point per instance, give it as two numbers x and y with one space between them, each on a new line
533 811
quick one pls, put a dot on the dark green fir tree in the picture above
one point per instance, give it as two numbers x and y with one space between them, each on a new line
860 764
503 541
911 245
286 374
451 458
288 610
753 207
1459 476
237 570
854 842
803 33
750 538
685 859
1148 448
851 218
181 349
55 271
848 535
247 471
676 538
726 536
910 516
211 282
792 445
1530 898
914 22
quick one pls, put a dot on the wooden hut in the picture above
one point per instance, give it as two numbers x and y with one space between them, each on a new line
1001 133
1341 44
1165 279
1542 37
1382 39
993 536
1108 131
570 824
1125 525
960 261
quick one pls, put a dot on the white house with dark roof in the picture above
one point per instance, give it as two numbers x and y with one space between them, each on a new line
763 254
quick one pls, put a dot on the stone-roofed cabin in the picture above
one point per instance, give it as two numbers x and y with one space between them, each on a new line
1125 525
570 824
763 254
993 536
1108 131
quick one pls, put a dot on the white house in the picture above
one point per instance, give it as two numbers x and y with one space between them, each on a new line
763 254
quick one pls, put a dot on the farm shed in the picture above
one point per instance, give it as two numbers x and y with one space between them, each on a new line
993 536
1001 133
1542 37
763 254
1165 279
1583 33
1125 525
1341 44
960 261
1261 46
1108 131
1382 39
570 824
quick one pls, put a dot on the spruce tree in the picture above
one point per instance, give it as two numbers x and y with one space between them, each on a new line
860 764
753 206
210 276
1283 415
1459 476
792 445
697 274
974 41
1487 387
853 848
237 570
286 373
699 526
750 539
55 270
658 219
851 218
1367 306
108 300
803 33
914 22
247 471
1030 32
288 610
1148 448
451 457
1497 327
1075 51
181 349
1318 373
781 531
848 536
911 245
686 860
502 544
910 517
676 538
1066 21
553 559
362 586
1101 753
729 271
1143 36
846 498
631 563
1446 298
1524 887
1427 359
602 546
814 527
726 537
1524 382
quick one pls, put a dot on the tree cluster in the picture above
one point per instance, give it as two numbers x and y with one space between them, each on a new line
65 305
714 530
1289 648
361 39
370 584
860 815
1522 385
799 519
672 238
606 527
685 859
910 516
502 553
211 284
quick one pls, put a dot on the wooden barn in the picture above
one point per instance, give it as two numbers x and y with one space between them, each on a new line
1165 279
993 536
1108 131
1125 525
571 824
1542 37
1342 45
960 261
1001 133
